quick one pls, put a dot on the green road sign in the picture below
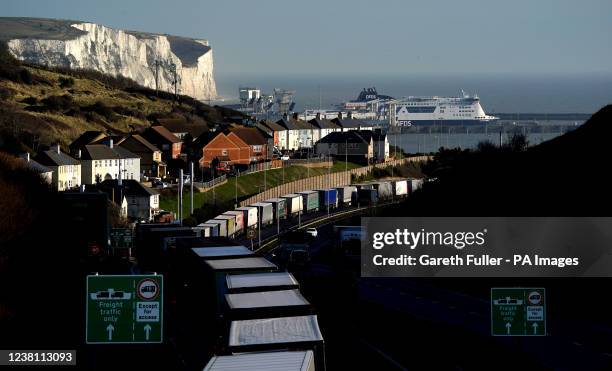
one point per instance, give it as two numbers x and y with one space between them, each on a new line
518 312
122 238
124 309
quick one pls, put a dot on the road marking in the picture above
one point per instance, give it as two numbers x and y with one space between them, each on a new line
383 354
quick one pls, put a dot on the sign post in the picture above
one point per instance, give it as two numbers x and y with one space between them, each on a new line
124 309
518 312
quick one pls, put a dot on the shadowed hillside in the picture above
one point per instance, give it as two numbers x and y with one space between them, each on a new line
564 176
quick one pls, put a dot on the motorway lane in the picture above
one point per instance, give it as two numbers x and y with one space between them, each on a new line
451 314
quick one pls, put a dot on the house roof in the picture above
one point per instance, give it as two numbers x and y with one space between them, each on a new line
106 140
181 125
204 138
238 142
272 125
352 136
143 141
53 158
161 132
124 153
131 187
87 137
98 152
250 136
35 166
350 123
323 124
292 124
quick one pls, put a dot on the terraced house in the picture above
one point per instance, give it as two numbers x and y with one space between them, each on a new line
66 170
100 162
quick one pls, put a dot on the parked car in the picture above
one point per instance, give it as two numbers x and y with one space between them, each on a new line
159 184
285 158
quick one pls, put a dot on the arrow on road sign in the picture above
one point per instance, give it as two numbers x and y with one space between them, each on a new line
508 326
110 330
535 328
147 329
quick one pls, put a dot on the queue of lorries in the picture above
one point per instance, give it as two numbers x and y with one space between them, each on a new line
232 308
236 222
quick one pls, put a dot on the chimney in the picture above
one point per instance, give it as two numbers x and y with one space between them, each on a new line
349 115
295 116
318 115
58 149
110 143
340 115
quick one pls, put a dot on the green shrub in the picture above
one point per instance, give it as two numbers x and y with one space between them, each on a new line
26 76
66 82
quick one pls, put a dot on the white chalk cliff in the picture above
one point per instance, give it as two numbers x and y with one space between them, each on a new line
129 54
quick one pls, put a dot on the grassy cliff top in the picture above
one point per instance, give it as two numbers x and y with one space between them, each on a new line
42 106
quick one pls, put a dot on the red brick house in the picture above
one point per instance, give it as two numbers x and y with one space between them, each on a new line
254 139
229 151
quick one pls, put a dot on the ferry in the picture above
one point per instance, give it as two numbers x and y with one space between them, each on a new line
461 110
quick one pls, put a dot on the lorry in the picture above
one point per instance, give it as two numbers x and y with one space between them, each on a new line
294 203
279 208
265 212
328 198
310 201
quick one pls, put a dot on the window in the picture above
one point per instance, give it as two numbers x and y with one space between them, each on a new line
224 152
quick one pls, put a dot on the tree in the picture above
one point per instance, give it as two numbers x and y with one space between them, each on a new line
518 143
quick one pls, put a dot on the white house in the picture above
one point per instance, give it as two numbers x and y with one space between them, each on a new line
325 127
45 173
142 202
66 170
101 162
293 133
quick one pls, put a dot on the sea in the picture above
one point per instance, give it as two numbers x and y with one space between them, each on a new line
502 93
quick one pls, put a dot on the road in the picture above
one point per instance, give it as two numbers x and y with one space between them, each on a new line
402 323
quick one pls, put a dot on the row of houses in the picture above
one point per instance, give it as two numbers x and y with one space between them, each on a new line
291 133
63 172
95 156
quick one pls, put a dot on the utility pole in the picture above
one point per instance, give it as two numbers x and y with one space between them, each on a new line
212 171
192 179
328 179
180 185
346 155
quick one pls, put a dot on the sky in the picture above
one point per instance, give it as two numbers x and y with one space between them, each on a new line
376 37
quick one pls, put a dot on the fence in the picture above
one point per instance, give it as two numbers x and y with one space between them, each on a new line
313 162
212 183
325 181
261 166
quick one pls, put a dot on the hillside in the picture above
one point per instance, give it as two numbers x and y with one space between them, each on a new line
564 176
41 106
